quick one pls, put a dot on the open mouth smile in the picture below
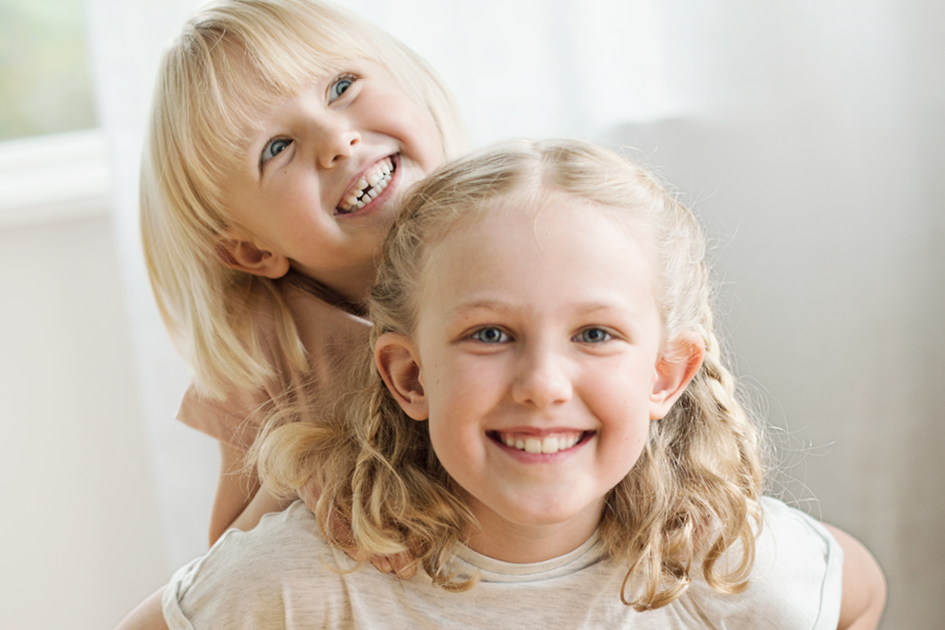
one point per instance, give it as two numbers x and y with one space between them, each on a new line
369 186
543 444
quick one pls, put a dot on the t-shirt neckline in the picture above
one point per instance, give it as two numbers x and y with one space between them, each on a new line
492 570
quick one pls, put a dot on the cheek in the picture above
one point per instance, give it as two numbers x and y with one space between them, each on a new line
619 398
450 394
453 433
623 439
621 389
429 136
418 131
460 395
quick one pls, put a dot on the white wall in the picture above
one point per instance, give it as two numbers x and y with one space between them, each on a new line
80 536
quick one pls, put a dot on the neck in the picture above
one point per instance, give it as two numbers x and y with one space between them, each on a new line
353 290
526 543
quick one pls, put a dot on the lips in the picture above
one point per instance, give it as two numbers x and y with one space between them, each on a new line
369 186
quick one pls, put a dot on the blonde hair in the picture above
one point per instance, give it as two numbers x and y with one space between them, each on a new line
692 494
231 61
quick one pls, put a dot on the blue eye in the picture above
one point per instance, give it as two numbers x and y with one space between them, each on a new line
491 335
593 335
339 87
274 148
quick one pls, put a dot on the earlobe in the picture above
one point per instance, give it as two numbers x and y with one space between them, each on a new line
244 254
398 363
674 371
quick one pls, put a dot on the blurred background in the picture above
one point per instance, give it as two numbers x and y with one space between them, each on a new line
809 135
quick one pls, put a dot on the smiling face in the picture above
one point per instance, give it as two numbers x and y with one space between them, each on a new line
538 347
321 179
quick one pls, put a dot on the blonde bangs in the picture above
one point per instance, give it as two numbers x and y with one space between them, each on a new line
231 63
236 61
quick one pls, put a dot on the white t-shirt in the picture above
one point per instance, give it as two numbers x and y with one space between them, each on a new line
278 576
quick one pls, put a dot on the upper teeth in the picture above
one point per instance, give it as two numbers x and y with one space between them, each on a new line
368 187
547 445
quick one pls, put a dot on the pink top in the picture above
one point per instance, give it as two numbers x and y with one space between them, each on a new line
328 333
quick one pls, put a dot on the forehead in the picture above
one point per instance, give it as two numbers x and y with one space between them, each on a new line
562 244
255 63
253 90
549 219
253 103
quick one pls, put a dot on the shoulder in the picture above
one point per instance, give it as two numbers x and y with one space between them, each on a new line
795 580
797 550
321 322
233 420
786 527
330 335
282 539
263 574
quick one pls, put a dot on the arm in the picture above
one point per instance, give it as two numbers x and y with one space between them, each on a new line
149 615
239 502
864 586
231 499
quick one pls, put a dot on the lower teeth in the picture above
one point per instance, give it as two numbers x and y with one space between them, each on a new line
372 193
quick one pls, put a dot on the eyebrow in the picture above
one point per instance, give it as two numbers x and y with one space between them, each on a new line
482 305
505 308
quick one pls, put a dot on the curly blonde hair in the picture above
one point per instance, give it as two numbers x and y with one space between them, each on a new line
231 61
693 493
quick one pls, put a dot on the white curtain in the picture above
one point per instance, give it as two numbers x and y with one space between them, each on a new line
808 134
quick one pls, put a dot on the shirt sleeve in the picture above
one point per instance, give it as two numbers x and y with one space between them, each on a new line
237 418
273 577
795 582
174 617
799 560
234 420
330 336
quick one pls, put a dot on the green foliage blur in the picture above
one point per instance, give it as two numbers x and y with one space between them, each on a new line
45 81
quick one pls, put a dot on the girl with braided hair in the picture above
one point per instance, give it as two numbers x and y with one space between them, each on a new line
547 427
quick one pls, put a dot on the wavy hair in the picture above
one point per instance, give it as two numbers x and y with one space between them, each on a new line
692 495
231 61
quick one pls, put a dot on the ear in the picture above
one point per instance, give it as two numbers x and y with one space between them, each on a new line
674 371
398 362
241 252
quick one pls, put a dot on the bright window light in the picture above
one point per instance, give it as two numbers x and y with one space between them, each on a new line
45 80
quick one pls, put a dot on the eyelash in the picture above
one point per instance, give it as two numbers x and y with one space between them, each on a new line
350 78
505 337
263 159
579 337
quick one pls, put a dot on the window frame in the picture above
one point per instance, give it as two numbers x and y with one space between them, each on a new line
45 179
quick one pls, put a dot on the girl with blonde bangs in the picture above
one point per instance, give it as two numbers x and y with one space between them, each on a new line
546 426
269 117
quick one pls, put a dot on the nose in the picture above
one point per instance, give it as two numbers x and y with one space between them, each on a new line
542 378
336 142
